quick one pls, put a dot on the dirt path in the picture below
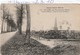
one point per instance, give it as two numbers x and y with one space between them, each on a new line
49 43
54 42
5 37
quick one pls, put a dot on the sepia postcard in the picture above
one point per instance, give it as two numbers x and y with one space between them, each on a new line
39 29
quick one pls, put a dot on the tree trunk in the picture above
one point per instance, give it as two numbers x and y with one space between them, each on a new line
11 29
28 24
20 18
2 26
8 27
20 29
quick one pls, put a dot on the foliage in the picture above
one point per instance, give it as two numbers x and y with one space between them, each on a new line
59 34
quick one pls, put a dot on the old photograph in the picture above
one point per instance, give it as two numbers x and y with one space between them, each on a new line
39 29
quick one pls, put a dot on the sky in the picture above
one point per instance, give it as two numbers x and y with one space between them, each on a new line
31 1
43 17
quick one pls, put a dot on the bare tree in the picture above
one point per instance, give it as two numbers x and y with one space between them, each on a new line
2 18
7 19
19 13
28 24
10 22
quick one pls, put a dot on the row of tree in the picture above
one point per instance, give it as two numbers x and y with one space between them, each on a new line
7 18
11 25
20 13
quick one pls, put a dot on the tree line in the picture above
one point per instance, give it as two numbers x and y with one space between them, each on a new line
7 18
20 13
12 25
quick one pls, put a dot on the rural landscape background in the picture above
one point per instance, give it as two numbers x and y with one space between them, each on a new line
39 29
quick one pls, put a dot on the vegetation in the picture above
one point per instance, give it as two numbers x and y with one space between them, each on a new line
7 18
19 13
59 34
15 46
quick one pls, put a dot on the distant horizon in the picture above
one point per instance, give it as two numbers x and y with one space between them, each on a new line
53 30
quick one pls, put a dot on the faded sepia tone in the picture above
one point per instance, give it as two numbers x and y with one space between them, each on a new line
39 29
40 19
